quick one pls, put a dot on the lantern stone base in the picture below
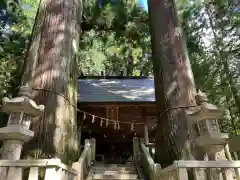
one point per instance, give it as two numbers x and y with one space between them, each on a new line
11 149
212 138
16 133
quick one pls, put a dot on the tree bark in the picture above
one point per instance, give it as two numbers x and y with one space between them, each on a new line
50 69
174 82
129 66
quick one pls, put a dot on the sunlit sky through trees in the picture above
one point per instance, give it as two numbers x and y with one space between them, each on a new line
143 4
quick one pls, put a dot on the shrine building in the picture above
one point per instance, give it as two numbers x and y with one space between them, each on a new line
117 109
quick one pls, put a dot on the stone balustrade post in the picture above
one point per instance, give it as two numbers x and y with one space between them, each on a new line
22 110
136 150
93 149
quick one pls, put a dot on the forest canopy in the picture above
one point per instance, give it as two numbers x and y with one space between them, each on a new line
115 38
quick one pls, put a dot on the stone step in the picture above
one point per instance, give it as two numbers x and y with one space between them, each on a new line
112 171
101 169
113 177
113 168
114 165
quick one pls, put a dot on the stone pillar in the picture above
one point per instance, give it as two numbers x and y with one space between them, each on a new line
136 150
93 149
21 112
210 138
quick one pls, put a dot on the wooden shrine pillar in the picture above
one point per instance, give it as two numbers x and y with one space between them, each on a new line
112 113
146 136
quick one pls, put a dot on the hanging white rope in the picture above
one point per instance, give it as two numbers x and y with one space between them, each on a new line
132 127
93 119
106 122
123 122
118 126
84 115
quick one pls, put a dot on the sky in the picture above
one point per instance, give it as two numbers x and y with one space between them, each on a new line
143 4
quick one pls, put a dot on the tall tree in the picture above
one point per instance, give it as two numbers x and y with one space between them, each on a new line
174 82
215 66
225 46
50 70
115 38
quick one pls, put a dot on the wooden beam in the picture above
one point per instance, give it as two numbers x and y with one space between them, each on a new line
128 140
114 77
119 104
150 144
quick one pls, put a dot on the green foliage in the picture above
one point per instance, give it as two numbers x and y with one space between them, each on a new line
212 34
16 25
116 38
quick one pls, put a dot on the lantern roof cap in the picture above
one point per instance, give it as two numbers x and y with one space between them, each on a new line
21 104
201 97
204 110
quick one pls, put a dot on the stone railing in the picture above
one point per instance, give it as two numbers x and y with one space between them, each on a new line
147 162
184 170
137 157
188 170
86 159
151 149
22 111
37 169
50 168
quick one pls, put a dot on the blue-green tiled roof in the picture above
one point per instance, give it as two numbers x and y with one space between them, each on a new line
116 90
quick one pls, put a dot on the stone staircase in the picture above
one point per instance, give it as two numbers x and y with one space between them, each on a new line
113 172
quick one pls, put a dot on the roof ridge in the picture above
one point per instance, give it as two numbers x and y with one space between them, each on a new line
115 77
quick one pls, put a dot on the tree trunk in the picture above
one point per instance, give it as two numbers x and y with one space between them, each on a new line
174 82
50 70
130 66
145 71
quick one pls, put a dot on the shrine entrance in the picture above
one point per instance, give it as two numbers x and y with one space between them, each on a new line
114 140
109 150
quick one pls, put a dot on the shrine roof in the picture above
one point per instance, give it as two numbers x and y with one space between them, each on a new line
116 89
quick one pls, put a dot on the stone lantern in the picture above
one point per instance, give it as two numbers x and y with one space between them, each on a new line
22 110
204 118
